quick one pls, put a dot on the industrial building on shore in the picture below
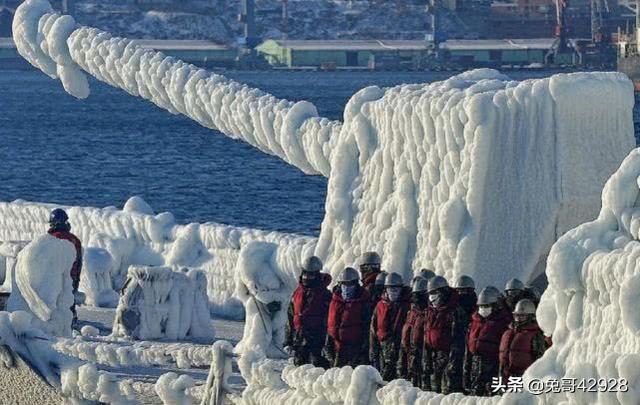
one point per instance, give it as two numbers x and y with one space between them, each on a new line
398 54
342 54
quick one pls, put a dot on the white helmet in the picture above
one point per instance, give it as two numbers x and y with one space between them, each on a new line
312 264
436 283
349 274
427 274
370 258
525 307
488 296
419 284
393 280
464 282
380 278
514 284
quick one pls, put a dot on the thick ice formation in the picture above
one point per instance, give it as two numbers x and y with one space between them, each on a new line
133 238
161 303
40 36
590 309
591 304
267 384
42 284
476 174
95 278
172 389
21 337
260 282
126 353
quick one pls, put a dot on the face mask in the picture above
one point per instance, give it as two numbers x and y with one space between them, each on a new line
348 291
394 293
435 299
484 311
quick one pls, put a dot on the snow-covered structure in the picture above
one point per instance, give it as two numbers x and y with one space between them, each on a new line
260 283
477 174
142 239
591 304
95 278
161 303
31 371
42 284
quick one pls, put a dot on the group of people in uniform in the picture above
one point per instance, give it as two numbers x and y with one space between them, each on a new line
441 337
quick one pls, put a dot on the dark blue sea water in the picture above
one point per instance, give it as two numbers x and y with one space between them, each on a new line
99 152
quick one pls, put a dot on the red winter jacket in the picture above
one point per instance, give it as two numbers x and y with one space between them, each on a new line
368 282
390 316
485 333
310 307
413 326
439 324
349 320
77 264
516 348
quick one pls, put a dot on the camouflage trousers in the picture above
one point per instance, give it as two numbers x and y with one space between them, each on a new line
446 373
388 359
350 355
481 374
309 355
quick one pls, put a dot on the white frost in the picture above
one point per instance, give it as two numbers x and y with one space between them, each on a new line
161 303
172 389
261 281
42 284
95 278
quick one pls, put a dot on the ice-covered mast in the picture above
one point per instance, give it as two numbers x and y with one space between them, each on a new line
62 49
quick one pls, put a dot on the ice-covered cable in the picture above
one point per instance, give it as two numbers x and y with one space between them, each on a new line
41 36
290 130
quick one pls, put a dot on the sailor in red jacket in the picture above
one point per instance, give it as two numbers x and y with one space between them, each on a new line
488 324
444 333
370 269
349 318
523 343
386 326
377 289
410 358
306 330
60 228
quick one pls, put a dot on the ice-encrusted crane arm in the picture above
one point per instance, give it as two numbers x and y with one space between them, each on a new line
61 48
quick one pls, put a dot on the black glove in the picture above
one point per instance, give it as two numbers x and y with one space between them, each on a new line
274 306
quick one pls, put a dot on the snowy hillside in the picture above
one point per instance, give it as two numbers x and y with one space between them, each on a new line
217 20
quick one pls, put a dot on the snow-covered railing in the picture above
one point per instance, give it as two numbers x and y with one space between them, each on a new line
137 236
8 258
217 386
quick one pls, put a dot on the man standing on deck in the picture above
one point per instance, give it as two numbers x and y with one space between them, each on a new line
369 270
387 321
60 228
307 326
445 326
